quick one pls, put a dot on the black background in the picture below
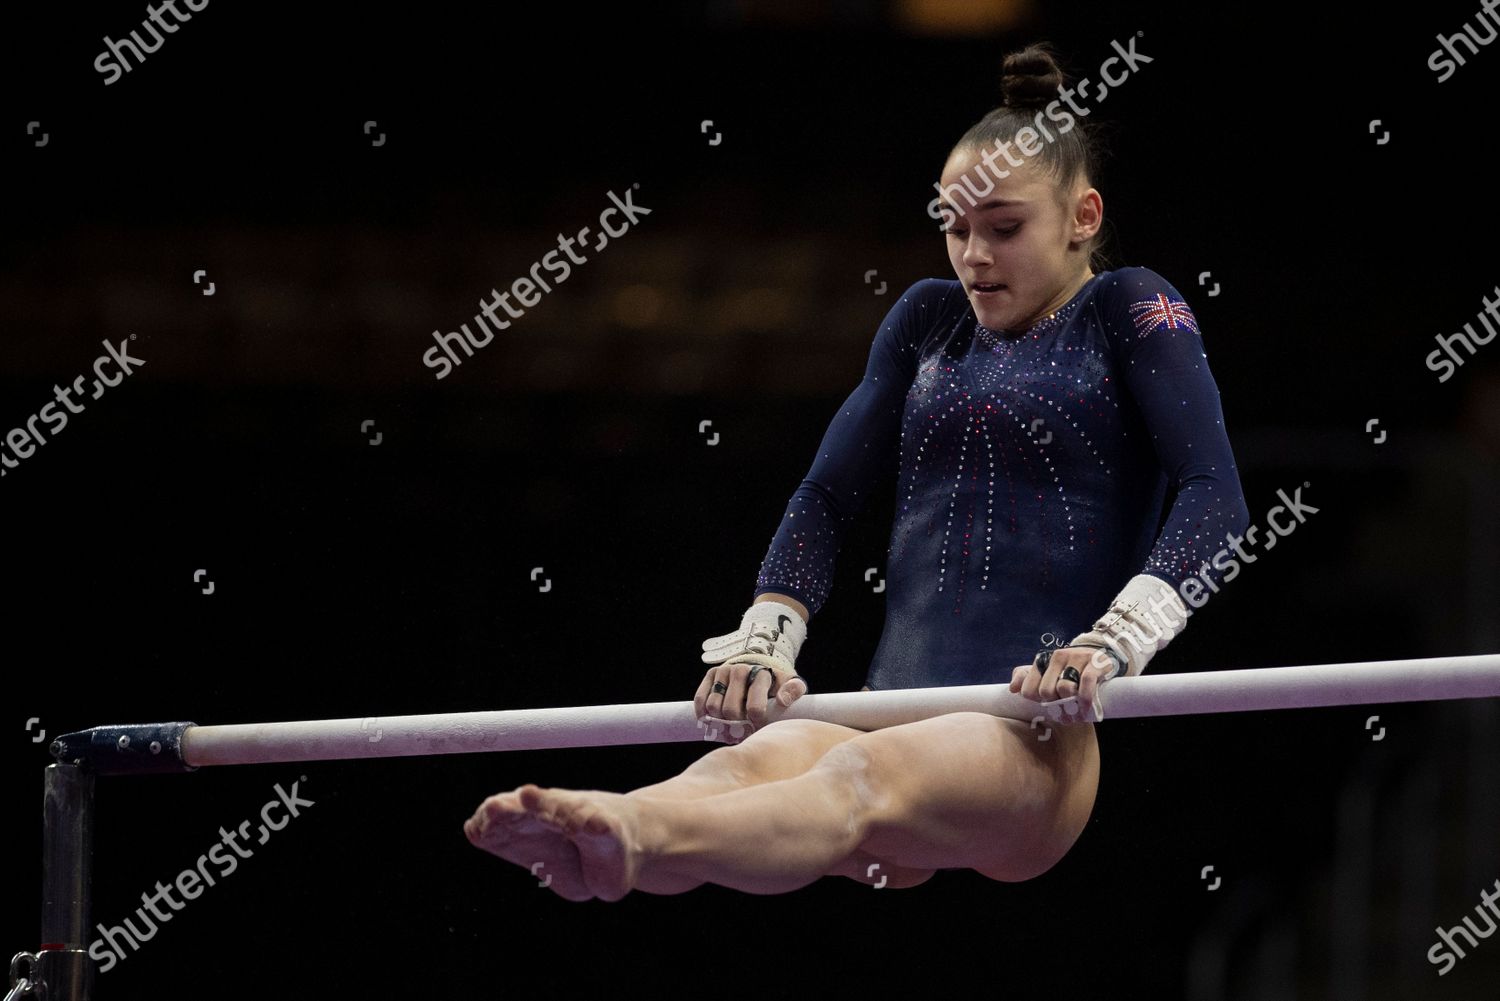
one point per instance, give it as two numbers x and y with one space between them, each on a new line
356 580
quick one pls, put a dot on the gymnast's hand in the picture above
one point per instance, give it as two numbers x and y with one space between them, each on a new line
1093 664
767 642
744 700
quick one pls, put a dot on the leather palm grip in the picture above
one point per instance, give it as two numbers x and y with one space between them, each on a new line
768 629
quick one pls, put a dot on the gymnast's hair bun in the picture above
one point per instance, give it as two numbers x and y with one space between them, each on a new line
1030 78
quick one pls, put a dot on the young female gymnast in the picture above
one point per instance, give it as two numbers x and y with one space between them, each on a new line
1041 409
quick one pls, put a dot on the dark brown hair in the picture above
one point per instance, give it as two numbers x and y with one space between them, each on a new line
1029 85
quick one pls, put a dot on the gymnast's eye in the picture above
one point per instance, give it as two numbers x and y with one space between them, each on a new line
960 233
1009 232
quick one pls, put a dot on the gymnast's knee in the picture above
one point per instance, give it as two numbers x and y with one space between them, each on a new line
783 749
870 775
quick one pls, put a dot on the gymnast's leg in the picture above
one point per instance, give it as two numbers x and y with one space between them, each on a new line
517 832
770 754
505 826
959 790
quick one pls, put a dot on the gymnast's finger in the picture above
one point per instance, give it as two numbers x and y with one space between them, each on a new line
1046 689
1031 681
734 699
790 689
1100 664
700 697
1056 686
718 687
757 695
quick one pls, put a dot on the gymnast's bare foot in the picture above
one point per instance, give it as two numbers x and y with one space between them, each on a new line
504 826
605 828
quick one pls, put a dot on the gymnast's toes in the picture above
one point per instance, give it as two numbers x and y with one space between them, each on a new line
496 821
602 826
505 827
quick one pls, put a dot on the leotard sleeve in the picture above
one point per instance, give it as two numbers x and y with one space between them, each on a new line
1165 369
862 441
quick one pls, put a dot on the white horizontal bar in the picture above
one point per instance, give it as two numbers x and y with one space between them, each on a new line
1308 686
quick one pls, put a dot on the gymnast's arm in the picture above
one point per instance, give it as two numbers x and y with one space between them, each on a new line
798 567
1165 370
858 445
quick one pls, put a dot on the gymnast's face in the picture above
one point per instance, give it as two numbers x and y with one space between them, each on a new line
1023 235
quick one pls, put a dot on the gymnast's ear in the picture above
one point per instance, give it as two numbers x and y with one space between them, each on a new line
1088 213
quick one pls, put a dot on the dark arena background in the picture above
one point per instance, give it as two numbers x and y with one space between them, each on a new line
283 513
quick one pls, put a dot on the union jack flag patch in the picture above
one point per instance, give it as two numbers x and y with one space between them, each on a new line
1160 312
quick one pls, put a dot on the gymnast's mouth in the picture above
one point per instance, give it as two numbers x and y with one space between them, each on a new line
987 288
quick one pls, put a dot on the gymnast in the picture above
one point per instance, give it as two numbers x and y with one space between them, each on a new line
1063 469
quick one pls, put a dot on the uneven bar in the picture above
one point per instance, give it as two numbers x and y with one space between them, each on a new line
1308 686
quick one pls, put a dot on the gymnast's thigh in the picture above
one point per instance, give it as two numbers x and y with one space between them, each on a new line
971 790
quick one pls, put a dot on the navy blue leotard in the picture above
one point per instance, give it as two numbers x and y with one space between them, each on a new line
1033 471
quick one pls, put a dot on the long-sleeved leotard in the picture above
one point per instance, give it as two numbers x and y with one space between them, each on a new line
1033 472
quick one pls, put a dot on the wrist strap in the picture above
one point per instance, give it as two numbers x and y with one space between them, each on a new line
770 628
1142 620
